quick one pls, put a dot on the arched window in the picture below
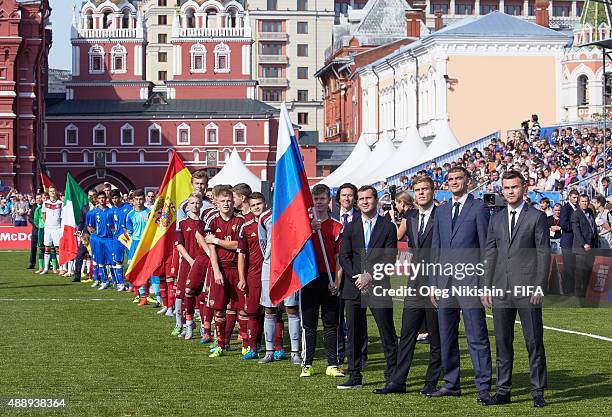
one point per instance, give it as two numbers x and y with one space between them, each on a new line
226 155
183 134
196 155
114 156
96 59
71 135
64 157
106 19
118 59
232 18
127 134
240 134
141 156
85 157
222 58
99 134
583 90
247 155
198 58
211 18
190 18
89 22
211 134
155 134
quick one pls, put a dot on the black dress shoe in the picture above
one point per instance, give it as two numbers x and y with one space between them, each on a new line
30 267
428 389
483 397
446 392
76 280
391 388
351 383
498 399
538 401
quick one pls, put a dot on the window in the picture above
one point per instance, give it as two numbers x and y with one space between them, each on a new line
198 58
191 19
162 3
513 9
302 49
162 57
271 5
531 8
99 135
162 38
561 8
271 49
302 27
579 6
162 75
240 134
464 8
127 134
162 19
271 26
272 94
303 118
155 134
183 133
488 8
96 59
270 71
302 95
222 58
71 135
438 7
118 59
302 73
583 90
211 134
302 5
211 18
125 19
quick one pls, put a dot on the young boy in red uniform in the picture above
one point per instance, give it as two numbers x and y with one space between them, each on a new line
250 260
224 284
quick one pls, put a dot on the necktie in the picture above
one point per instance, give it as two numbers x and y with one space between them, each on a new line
345 219
455 213
512 222
422 225
367 232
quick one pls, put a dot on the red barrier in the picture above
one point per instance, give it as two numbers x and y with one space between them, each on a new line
600 284
15 238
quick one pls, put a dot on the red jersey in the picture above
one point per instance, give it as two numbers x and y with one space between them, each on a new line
331 230
249 245
207 212
186 236
225 230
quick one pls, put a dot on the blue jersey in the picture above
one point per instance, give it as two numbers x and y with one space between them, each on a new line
136 222
119 215
100 220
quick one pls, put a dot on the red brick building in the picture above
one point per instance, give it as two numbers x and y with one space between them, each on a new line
24 47
114 126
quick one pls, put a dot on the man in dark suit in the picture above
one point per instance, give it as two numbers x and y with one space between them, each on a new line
585 240
518 261
346 197
459 239
82 250
567 242
418 307
367 241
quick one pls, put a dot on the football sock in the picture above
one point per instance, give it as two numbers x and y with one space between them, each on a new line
252 331
294 331
54 258
269 331
220 325
47 257
95 272
178 303
189 307
102 272
243 322
279 330
163 292
119 274
171 293
230 323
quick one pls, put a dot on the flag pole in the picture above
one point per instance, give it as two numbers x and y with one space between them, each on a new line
329 274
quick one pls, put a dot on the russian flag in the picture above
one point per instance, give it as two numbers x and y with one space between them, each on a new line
292 257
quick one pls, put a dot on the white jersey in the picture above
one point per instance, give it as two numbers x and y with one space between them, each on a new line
53 213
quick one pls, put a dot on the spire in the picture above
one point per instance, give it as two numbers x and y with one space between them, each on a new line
595 13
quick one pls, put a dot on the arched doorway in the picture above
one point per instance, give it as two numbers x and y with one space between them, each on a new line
89 179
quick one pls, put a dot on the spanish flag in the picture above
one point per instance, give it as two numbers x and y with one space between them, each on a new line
45 181
157 241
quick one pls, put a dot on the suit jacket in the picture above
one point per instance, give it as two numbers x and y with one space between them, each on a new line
352 259
420 248
522 259
335 214
84 211
565 220
466 243
583 231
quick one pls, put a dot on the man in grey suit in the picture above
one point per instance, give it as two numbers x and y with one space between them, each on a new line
585 240
518 261
459 239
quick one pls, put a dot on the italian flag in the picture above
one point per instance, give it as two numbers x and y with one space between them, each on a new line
74 199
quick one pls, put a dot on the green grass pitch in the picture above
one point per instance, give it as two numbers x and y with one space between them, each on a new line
110 358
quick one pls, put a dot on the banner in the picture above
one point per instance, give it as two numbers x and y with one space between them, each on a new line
15 238
600 284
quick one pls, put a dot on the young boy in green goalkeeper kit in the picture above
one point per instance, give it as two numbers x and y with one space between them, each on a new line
40 224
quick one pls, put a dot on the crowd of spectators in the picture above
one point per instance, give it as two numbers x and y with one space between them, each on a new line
15 207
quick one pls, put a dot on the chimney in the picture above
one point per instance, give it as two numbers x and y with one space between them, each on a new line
438 21
414 18
541 13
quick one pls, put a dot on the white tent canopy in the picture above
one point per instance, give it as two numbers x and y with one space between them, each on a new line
444 142
235 172
409 153
369 172
360 154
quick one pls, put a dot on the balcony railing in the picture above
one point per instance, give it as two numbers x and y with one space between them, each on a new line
110 33
274 82
273 36
273 59
215 32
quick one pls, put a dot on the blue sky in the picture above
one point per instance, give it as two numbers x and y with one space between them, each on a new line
61 20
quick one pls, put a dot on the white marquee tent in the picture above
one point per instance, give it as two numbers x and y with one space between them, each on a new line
235 172
368 172
444 142
360 154
410 151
